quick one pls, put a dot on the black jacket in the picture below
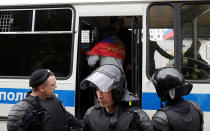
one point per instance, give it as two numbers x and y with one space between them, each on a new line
20 113
52 115
97 119
181 116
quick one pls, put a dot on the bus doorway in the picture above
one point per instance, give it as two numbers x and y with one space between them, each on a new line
91 31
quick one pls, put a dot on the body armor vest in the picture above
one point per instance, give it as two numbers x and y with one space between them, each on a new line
55 116
100 119
178 121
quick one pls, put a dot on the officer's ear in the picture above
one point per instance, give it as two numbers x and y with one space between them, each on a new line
41 88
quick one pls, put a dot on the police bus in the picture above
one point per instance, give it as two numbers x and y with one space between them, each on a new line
59 34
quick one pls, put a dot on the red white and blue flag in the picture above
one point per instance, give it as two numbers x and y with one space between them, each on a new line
168 34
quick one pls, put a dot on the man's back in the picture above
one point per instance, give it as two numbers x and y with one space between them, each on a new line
23 115
18 112
183 116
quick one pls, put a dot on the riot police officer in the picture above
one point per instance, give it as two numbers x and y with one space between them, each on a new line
112 112
41 110
178 114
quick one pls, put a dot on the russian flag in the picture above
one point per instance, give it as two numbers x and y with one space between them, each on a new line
168 34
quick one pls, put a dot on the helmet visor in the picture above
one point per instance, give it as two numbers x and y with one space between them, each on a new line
100 80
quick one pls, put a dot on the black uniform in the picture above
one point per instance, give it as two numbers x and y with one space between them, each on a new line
51 115
17 117
124 118
128 118
180 116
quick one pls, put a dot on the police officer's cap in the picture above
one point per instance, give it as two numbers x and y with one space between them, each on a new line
38 77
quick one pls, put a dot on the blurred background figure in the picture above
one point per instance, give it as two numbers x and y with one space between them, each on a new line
110 50
194 53
153 46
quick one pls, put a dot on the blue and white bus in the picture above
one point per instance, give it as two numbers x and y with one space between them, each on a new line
58 35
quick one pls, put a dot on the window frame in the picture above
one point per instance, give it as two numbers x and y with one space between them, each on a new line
177 37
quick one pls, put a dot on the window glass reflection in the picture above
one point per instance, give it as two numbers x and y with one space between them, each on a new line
161 41
195 23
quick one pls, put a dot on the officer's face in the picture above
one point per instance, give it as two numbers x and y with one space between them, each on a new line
50 86
105 98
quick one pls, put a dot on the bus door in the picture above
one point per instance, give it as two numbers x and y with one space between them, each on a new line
84 99
136 78
93 30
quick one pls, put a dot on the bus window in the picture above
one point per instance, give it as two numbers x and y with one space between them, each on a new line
12 21
30 40
53 20
161 37
195 28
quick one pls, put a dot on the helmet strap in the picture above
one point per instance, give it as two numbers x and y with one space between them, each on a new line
165 95
161 103
163 98
113 120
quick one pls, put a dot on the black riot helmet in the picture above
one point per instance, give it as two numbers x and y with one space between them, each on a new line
109 77
170 84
